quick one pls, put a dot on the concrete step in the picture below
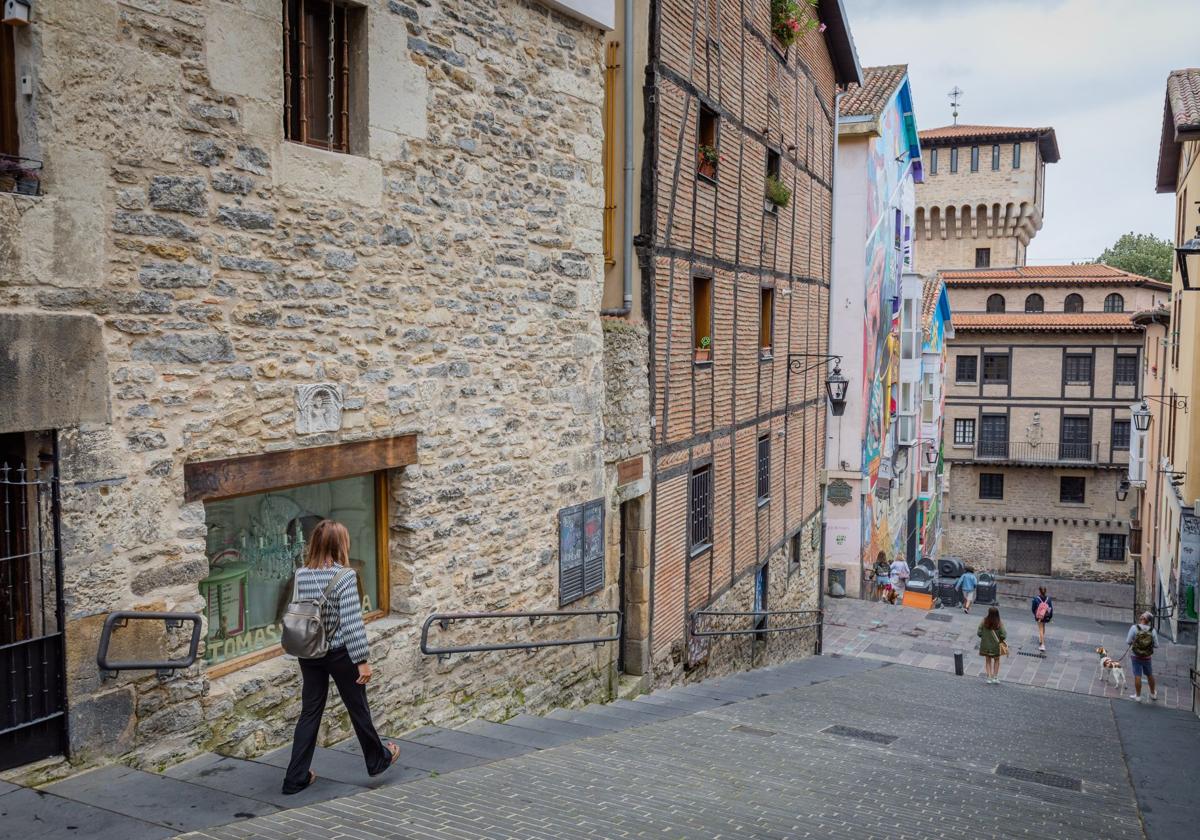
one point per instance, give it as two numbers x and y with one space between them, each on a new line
591 719
515 734
662 712
630 686
26 813
683 702
171 803
346 766
256 780
555 725
464 742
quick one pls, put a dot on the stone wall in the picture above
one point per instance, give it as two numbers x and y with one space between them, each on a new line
445 276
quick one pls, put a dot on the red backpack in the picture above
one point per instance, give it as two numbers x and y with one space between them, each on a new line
1043 610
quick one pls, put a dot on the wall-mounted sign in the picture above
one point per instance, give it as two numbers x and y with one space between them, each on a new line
839 492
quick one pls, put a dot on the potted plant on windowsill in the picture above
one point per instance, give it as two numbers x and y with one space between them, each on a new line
792 18
707 160
777 194
704 351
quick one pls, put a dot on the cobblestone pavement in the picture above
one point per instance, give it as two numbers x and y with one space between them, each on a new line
842 748
928 640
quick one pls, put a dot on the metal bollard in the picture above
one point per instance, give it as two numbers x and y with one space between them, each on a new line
958 663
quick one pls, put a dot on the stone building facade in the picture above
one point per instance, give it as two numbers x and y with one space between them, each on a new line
983 197
1042 373
215 331
719 483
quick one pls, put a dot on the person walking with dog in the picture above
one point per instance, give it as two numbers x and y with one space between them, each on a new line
326 589
1142 640
966 584
1043 612
993 643
882 577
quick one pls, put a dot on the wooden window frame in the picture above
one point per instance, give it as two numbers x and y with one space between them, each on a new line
964 431
1124 445
1071 300
708 133
1062 490
700 509
1072 375
766 323
1114 300
10 133
958 369
763 472
591 565
703 294
986 380
1105 548
1120 363
299 69
986 255
993 298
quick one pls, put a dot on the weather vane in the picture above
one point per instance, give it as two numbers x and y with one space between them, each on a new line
954 94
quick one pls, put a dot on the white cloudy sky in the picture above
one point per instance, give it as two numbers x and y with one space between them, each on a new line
1095 70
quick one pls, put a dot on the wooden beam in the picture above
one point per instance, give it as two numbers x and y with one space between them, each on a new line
222 479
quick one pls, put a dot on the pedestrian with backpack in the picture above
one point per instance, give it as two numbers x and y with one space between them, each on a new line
966 584
323 628
993 643
1043 613
1142 640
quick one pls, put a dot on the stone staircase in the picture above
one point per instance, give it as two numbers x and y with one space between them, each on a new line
126 804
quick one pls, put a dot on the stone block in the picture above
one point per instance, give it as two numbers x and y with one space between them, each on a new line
103 724
398 91
244 52
182 195
316 173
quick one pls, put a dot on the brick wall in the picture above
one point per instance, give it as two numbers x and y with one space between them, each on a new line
716 412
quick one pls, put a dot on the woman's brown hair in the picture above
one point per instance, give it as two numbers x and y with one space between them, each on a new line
1042 592
991 621
328 546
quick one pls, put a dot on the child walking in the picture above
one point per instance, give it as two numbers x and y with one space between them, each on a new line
991 644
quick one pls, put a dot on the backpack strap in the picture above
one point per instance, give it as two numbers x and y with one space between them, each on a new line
343 573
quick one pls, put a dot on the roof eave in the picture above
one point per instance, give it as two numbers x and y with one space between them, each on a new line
846 66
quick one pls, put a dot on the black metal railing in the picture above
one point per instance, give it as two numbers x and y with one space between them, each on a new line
1023 452
172 620
20 175
762 619
444 620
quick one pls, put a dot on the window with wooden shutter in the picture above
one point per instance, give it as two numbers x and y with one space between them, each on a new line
316 72
580 550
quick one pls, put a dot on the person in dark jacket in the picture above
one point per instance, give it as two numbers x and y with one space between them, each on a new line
991 633
1042 606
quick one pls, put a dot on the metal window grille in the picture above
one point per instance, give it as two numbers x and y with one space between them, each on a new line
1112 548
964 432
991 486
995 368
316 72
965 368
1078 369
1114 303
995 303
32 658
1073 303
701 508
1120 434
1071 489
764 468
1125 370
1035 303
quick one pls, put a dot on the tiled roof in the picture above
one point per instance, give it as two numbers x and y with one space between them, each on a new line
946 136
930 287
1044 321
1087 274
1181 121
869 98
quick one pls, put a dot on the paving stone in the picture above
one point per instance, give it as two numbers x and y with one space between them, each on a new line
593 720
515 734
27 814
157 799
256 780
550 724
348 767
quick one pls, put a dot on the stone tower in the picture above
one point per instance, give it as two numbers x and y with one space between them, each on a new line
983 195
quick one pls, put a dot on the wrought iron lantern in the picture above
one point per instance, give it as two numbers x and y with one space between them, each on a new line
1123 490
835 387
1141 417
931 455
1191 248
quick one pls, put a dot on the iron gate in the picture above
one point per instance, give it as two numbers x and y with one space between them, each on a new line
1029 552
33 719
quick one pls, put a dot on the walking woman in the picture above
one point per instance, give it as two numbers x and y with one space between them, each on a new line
329 557
991 644
1043 612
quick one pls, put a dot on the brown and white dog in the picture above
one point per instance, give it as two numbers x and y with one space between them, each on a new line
1112 668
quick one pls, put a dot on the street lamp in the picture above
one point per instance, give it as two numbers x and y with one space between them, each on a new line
1123 490
1190 248
836 385
931 455
1141 417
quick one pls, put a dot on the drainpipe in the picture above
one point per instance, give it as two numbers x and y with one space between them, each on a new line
821 583
627 161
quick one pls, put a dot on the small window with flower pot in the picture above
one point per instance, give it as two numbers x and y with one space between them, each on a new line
777 194
790 19
702 304
707 156
766 322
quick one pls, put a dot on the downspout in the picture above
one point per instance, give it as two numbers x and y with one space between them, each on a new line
821 584
627 166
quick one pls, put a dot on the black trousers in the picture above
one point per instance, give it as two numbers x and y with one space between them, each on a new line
316 674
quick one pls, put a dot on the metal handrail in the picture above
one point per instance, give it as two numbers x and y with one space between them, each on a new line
1045 452
172 621
444 620
694 621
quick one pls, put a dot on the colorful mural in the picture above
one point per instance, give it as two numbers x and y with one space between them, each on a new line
893 160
